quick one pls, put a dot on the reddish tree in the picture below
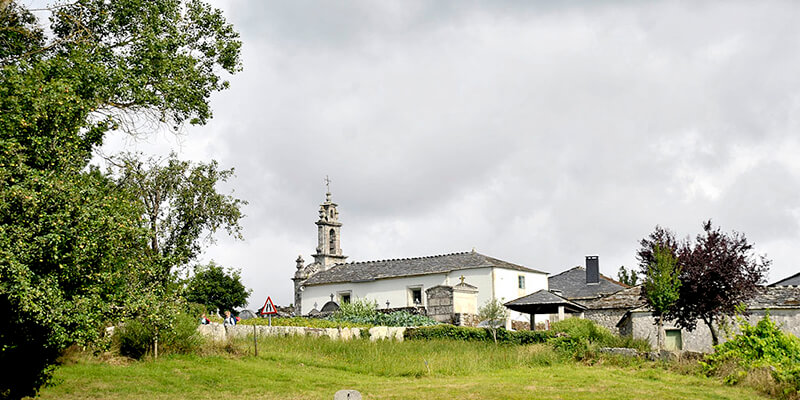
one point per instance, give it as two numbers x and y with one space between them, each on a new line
660 237
719 272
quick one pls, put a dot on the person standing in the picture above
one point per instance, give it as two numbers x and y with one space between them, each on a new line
229 319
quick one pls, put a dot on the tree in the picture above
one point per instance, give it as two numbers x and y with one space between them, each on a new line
628 277
216 288
661 286
72 244
719 273
181 204
495 313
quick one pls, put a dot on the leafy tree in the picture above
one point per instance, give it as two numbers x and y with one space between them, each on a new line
719 272
661 286
495 313
181 203
72 244
628 277
216 288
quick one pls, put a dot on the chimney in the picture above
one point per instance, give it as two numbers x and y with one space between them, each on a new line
592 270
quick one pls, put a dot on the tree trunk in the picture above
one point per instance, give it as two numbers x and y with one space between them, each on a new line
659 336
714 335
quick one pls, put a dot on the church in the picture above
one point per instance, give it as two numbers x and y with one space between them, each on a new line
399 283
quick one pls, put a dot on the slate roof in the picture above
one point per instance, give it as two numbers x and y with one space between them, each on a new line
542 296
793 280
572 284
372 270
625 298
776 297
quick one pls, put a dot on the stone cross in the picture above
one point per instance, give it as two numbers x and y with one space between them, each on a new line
331 296
462 279
328 183
387 303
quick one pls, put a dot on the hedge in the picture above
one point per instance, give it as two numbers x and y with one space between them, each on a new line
476 334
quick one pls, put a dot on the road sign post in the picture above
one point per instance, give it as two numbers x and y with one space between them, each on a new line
268 309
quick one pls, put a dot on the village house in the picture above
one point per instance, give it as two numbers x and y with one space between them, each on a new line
405 282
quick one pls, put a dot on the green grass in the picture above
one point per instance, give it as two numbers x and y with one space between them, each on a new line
302 321
308 368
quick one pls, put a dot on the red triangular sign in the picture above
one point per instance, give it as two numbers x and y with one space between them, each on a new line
268 308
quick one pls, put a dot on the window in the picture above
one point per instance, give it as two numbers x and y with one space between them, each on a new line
344 297
416 296
521 281
332 242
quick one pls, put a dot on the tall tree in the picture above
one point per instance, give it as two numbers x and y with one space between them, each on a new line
719 273
627 276
661 286
72 247
216 288
183 208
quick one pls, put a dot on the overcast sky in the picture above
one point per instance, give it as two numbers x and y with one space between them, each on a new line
537 134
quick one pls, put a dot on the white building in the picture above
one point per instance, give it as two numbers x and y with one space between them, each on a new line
400 283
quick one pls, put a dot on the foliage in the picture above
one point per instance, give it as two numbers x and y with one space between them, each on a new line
181 204
470 334
627 276
135 338
303 321
215 288
365 312
757 346
495 313
580 338
719 272
72 244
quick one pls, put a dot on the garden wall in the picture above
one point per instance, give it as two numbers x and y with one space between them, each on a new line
218 332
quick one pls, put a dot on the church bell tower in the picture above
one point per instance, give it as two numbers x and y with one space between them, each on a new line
329 251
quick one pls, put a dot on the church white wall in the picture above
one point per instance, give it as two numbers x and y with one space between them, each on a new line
506 287
501 283
396 290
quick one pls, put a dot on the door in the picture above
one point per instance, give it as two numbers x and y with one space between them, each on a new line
673 340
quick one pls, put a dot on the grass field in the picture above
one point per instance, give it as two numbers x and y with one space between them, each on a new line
306 368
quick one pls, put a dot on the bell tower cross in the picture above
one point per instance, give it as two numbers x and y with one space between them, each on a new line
329 250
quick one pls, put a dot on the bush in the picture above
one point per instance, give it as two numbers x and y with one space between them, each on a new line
758 346
303 321
135 338
476 334
582 337
365 312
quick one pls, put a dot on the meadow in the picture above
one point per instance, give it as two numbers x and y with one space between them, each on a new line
315 368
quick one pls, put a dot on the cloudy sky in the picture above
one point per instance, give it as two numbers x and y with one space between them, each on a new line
535 133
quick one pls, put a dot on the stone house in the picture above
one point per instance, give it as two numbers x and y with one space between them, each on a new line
401 282
781 302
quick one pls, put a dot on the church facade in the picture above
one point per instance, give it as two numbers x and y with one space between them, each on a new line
397 283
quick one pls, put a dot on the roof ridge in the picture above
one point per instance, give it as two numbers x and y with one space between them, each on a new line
405 258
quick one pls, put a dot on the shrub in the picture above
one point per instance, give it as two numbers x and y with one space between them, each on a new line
464 333
755 347
584 329
581 337
365 312
135 338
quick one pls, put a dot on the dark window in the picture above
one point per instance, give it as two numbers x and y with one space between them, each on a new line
332 242
346 298
521 280
416 296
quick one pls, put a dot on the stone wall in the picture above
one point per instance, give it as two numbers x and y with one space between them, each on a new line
466 319
440 303
218 332
642 326
607 318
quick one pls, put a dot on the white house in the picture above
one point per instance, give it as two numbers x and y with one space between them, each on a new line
399 283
